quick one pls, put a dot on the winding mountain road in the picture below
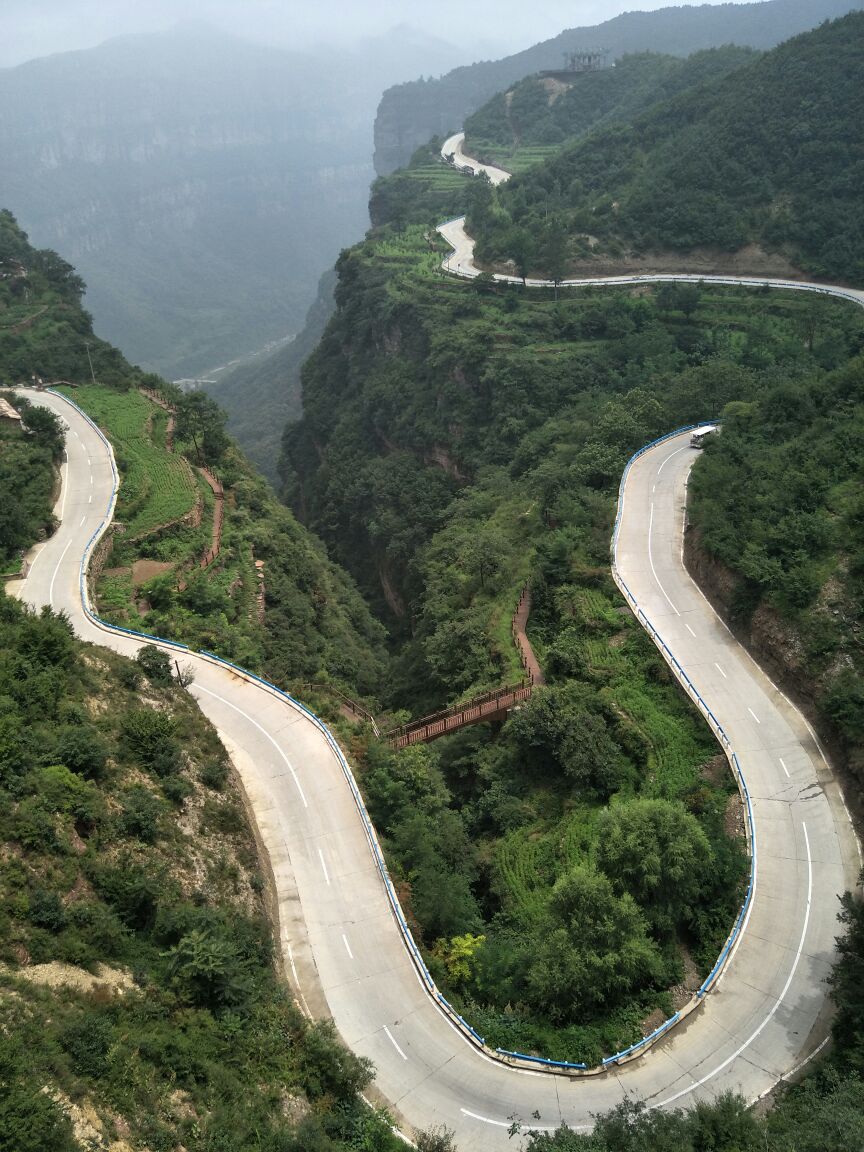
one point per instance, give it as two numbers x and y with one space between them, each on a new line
460 262
342 945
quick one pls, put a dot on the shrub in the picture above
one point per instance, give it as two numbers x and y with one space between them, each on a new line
176 789
33 825
46 911
155 664
140 815
87 1041
81 749
214 774
30 1121
148 736
206 969
130 889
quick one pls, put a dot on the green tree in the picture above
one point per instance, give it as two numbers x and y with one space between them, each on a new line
80 748
327 1068
656 851
594 950
155 664
552 252
206 969
30 1121
521 248
201 420
561 729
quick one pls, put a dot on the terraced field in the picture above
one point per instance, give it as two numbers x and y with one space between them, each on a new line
513 159
157 487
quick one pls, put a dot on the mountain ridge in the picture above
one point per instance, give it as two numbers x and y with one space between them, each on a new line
410 114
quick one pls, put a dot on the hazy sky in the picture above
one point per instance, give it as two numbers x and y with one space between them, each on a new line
39 27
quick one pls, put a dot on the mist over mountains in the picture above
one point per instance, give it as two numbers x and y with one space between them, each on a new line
200 184
410 113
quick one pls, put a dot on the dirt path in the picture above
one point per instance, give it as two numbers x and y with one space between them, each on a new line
218 517
526 653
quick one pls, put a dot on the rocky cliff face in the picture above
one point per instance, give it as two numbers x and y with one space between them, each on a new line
410 114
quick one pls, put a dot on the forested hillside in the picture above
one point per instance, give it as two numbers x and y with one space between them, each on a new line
769 158
295 615
457 441
409 114
532 119
140 1000
778 502
571 873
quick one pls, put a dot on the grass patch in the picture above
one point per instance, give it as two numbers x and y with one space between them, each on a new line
157 487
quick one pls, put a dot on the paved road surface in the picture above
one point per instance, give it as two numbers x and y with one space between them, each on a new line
453 146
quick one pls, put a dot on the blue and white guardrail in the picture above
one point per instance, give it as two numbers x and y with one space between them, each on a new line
503 1055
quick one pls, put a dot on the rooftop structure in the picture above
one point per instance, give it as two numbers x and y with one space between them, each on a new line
7 412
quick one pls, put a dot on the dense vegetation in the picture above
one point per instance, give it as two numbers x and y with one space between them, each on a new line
527 123
825 1113
770 155
789 466
315 625
457 441
28 454
139 995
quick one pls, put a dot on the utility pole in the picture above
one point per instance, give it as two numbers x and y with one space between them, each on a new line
90 362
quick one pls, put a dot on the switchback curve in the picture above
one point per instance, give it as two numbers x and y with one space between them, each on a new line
339 938
461 263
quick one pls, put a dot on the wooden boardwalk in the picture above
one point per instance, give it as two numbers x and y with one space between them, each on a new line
490 706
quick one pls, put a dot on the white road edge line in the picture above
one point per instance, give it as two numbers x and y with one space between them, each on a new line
669 457
64 485
777 1002
54 575
485 1119
393 1042
533 1127
651 561
324 867
263 731
297 981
